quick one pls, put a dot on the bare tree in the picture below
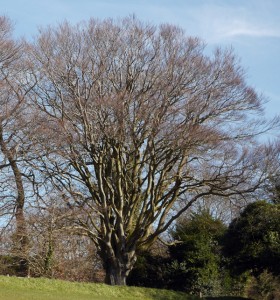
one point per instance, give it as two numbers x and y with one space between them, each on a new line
13 120
141 124
55 251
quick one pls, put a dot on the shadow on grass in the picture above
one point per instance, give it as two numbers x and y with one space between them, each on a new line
169 295
183 297
227 298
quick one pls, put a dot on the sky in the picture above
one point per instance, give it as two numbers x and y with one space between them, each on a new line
251 27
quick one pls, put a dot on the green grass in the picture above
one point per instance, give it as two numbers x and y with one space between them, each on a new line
13 288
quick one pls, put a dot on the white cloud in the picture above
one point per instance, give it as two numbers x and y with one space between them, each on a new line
241 28
218 23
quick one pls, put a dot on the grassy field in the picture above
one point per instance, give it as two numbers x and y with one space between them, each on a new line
13 288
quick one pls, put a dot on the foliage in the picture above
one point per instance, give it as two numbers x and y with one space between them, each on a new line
232 284
252 241
196 265
150 271
44 289
264 287
13 266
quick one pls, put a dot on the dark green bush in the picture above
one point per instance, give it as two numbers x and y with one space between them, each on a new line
252 242
150 271
13 266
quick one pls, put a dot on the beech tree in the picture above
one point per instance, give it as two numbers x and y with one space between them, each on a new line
141 124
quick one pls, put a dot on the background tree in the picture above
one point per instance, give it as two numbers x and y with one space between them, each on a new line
141 124
253 239
14 120
58 252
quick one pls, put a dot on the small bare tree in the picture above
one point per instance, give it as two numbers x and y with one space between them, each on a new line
56 251
139 120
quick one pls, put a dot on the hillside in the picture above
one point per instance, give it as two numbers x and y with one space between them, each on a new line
14 288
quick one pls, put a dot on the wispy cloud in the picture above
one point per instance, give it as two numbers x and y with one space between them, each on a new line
218 23
241 28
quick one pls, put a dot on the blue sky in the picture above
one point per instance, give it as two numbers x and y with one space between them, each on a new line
251 27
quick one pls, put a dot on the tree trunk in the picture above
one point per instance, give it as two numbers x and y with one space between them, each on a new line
117 265
115 275
21 231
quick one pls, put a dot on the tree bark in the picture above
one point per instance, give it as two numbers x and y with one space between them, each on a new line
115 275
117 264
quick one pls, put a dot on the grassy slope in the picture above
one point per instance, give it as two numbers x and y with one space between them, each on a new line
12 288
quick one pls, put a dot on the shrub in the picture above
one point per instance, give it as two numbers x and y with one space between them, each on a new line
264 287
